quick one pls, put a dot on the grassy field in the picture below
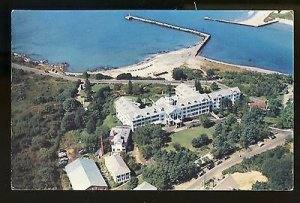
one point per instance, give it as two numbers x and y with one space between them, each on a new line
288 15
96 87
36 86
184 138
271 120
220 67
111 121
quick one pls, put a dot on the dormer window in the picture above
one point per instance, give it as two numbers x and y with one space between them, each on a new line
182 104
189 102
195 101
148 113
162 109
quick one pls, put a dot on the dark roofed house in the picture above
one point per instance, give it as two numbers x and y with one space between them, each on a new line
85 175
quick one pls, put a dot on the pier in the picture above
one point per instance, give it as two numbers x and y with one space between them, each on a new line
241 23
201 34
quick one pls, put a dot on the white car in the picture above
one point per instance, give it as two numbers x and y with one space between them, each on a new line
62 154
261 144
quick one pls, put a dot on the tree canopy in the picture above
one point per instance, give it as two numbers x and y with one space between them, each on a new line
200 141
171 168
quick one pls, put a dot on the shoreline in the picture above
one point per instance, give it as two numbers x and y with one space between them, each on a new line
170 60
257 19
166 61
163 62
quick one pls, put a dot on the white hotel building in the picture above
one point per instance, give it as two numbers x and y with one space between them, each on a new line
187 102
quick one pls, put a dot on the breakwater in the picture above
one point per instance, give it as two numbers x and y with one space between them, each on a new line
205 36
240 23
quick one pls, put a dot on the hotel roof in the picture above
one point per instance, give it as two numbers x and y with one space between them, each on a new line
224 92
127 106
83 173
115 165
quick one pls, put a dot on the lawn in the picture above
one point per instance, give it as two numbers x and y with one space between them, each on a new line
96 87
184 137
271 120
111 121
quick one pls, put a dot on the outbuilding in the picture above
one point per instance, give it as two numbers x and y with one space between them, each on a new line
85 175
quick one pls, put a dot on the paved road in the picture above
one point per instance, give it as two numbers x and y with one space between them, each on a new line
235 159
94 81
114 81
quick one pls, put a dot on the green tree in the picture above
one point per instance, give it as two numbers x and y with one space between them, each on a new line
124 76
71 104
214 86
67 122
210 73
274 107
205 121
85 75
137 89
88 90
176 146
200 141
199 87
117 87
279 172
287 116
132 183
146 151
139 100
260 186
157 176
100 76
129 90
178 74
79 118
91 125
221 146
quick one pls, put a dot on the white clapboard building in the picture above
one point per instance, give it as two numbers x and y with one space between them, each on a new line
170 110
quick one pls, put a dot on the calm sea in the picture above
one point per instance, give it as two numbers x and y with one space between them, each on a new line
92 39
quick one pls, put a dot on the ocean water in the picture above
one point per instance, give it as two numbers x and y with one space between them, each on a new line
91 39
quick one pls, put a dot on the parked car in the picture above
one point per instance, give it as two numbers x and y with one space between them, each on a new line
226 157
210 166
201 173
62 163
64 159
62 154
271 137
82 151
218 162
85 156
260 144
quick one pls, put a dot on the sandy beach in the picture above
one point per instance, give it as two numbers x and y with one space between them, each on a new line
258 18
164 63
